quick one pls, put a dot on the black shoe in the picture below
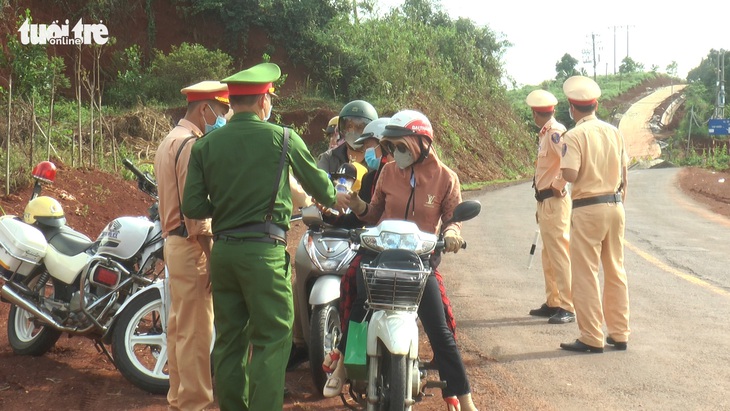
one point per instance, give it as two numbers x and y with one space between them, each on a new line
619 345
298 355
544 311
579 346
562 317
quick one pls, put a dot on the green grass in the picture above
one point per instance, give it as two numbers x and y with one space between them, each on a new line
478 185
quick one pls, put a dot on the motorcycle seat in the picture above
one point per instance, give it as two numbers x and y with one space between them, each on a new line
67 240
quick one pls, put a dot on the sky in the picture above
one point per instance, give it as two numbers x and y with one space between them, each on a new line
651 32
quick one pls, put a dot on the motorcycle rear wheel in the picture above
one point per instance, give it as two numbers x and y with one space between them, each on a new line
25 336
139 345
324 325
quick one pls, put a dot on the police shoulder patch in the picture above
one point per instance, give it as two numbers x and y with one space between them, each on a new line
565 149
555 137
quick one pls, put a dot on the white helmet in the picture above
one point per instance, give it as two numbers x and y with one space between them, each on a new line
374 129
409 123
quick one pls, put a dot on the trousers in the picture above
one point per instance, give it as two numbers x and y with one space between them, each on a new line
597 238
189 325
553 217
252 301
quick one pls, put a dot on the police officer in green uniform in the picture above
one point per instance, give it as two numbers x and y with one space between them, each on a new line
238 176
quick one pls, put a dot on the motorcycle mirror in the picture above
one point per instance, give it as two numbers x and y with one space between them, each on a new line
45 171
311 215
465 211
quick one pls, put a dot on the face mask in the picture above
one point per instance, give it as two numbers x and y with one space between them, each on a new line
372 161
220 121
351 137
570 113
268 115
403 160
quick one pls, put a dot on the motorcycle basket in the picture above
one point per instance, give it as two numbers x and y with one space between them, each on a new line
397 284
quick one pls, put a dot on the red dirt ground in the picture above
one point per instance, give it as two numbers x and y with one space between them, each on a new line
74 376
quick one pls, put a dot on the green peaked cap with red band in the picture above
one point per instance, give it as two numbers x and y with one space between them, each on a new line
258 79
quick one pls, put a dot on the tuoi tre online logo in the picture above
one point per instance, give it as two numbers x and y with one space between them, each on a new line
54 34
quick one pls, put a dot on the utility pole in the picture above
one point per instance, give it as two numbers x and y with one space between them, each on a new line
593 37
590 56
720 86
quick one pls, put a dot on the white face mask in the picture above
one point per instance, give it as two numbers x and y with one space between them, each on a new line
271 107
403 160
351 137
570 113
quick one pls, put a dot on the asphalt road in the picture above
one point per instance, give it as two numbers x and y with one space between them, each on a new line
679 350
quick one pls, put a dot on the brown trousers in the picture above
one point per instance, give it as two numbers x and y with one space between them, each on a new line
597 237
553 216
189 326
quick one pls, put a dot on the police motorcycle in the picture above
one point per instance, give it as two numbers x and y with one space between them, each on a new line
59 281
392 377
323 255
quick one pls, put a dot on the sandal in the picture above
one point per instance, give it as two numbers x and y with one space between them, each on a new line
335 378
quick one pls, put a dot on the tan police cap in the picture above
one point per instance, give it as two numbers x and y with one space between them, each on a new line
541 101
207 90
581 90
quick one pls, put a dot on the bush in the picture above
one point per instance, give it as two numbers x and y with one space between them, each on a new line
167 74
183 66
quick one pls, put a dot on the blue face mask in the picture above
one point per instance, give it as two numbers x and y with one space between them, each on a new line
220 121
372 161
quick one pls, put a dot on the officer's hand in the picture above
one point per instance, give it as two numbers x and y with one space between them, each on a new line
341 203
452 242
356 204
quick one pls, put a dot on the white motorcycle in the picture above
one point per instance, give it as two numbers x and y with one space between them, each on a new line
394 378
322 258
59 281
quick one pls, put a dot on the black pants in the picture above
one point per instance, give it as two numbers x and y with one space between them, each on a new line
431 313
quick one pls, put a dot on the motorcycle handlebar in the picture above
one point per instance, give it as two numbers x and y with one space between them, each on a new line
144 181
131 167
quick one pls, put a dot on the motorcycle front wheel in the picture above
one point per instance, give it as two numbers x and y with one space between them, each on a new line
25 335
323 333
139 345
393 382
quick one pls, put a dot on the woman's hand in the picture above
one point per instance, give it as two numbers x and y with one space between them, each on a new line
356 204
452 242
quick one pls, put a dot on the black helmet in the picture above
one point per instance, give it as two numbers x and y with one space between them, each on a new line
354 116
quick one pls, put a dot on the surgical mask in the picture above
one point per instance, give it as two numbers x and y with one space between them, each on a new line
220 121
372 161
403 160
570 113
268 115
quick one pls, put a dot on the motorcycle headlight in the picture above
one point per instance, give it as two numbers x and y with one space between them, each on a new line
390 241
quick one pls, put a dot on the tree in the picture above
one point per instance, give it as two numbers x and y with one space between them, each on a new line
672 68
566 67
628 65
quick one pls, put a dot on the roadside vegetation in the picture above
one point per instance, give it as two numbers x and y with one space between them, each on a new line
120 102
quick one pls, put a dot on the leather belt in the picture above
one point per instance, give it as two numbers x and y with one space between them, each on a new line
604 199
544 194
227 238
269 230
180 231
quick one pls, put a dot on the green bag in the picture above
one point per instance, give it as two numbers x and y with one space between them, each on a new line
356 353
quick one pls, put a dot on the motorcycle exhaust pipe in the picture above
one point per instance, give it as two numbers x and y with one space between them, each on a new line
14 298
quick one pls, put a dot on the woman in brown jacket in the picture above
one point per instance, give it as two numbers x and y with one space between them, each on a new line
418 187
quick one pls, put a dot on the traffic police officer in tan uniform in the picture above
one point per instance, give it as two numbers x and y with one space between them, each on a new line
553 211
187 247
594 159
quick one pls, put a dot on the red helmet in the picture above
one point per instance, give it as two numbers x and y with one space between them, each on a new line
409 123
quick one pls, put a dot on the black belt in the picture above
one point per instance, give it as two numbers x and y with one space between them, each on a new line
227 238
180 231
608 198
269 230
544 194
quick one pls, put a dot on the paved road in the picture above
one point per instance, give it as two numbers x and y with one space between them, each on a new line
679 350
634 123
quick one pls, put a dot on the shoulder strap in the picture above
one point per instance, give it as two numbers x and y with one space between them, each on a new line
177 183
283 161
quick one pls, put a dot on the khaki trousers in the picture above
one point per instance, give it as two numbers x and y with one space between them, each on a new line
597 237
553 216
189 326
